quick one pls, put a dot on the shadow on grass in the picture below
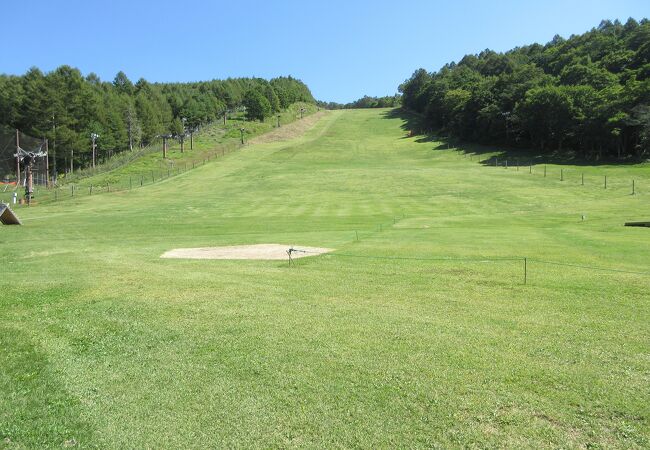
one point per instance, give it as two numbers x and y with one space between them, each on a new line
414 126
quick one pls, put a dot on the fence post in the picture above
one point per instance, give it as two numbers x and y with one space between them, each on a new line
561 174
583 179
544 170
525 270
605 181
632 187
91 190
530 169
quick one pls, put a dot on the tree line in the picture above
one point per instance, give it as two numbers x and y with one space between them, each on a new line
587 96
65 107
388 101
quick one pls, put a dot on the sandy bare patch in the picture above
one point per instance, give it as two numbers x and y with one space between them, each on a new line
257 251
290 130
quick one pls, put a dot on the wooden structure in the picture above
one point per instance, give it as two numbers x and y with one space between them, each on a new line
7 216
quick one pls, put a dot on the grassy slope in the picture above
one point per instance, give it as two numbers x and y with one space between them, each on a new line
146 166
103 342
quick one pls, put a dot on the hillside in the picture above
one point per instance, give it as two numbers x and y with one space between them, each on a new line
582 98
420 329
65 107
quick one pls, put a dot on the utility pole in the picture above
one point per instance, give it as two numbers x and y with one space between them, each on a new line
93 137
54 150
182 136
17 157
47 164
129 117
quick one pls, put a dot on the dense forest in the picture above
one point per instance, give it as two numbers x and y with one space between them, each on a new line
66 107
587 96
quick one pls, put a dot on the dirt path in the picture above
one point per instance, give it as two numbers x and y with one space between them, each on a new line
290 130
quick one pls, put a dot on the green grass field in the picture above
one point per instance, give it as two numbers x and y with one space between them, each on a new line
422 335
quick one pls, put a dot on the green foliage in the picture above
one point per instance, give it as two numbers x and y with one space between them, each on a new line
122 84
389 101
257 106
290 90
65 107
272 97
176 128
560 97
546 112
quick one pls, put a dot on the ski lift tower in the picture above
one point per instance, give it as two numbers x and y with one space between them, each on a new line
28 159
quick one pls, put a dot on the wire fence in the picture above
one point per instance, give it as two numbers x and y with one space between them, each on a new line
634 185
110 162
524 265
523 261
86 186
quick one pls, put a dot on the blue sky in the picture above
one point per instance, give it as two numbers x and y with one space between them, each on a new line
341 49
